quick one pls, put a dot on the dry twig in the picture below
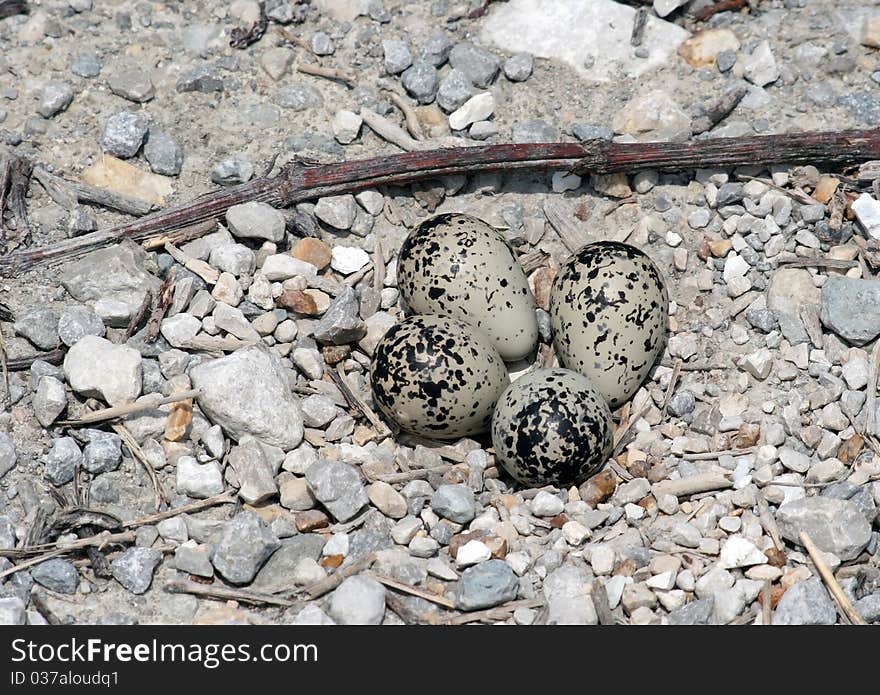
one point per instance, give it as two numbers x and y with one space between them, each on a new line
846 607
223 593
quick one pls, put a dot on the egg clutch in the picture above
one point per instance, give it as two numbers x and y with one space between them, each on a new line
441 372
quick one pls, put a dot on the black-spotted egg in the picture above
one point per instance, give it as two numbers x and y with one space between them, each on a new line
437 377
608 312
551 427
459 266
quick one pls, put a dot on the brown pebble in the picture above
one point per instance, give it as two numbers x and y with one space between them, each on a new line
825 189
298 302
331 562
775 558
311 521
776 593
312 251
598 488
748 435
541 282
720 247
559 520
333 354
497 546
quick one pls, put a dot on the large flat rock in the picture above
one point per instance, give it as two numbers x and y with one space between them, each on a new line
593 36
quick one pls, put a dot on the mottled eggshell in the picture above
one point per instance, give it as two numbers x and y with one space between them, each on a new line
459 266
608 311
551 427
437 377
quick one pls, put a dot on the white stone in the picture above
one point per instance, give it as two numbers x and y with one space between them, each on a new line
794 460
198 480
614 588
664 581
283 266
602 559
760 67
666 7
867 211
97 368
471 553
346 126
348 259
478 108
180 329
592 36
758 363
740 552
546 504
575 532
371 201
735 266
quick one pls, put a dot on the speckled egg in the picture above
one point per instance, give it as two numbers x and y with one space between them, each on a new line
608 311
552 427
437 377
459 266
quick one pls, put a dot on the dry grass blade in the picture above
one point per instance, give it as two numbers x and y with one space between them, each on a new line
343 76
842 600
409 114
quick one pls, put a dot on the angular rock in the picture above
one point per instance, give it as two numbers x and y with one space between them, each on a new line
256 220
338 487
50 400
132 83
805 603
485 585
275 575
244 546
58 575
851 308
163 153
341 323
116 273
248 392
359 600
477 108
124 134
198 480
454 502
760 67
653 116
39 326
134 568
77 321
479 65
55 98
836 526
97 368
339 211
61 461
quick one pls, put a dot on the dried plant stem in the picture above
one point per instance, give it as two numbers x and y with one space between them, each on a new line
299 182
842 600
128 409
222 593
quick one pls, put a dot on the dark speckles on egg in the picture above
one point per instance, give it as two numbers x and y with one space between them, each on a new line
551 427
437 377
608 311
459 266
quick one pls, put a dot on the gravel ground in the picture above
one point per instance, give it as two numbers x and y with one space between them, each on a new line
759 422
